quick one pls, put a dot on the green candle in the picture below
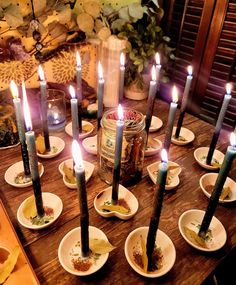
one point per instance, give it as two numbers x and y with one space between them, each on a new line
157 206
74 113
79 89
158 70
81 186
220 181
33 159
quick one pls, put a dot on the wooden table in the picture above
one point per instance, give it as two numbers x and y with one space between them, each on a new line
191 266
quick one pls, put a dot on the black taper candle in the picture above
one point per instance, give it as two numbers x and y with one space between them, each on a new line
25 158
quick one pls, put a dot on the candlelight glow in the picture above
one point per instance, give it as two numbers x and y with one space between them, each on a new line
233 140
164 156
26 109
72 91
154 75
41 73
190 70
100 71
78 59
122 59
158 60
228 88
14 89
76 153
120 113
174 94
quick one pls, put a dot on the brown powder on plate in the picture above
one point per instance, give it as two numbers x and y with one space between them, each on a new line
81 265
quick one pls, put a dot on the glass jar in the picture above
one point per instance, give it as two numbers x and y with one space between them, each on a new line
133 146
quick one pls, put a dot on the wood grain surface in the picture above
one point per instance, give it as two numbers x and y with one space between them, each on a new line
191 266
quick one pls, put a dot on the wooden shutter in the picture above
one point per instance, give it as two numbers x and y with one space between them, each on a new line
218 65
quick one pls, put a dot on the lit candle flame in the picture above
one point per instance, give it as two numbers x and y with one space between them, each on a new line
14 89
120 113
158 60
164 156
190 70
78 59
122 59
154 75
72 91
174 94
77 156
41 73
228 88
233 139
26 109
100 71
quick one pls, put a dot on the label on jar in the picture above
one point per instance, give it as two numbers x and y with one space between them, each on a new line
108 144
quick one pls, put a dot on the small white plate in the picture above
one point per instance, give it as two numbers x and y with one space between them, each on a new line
90 144
185 133
154 148
200 155
50 200
156 124
55 142
69 245
86 124
193 219
210 179
89 168
174 174
9 146
133 243
15 169
105 196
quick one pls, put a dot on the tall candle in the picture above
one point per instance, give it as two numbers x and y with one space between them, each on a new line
117 157
43 92
219 123
122 77
33 159
151 99
81 186
157 206
79 89
173 108
20 127
220 181
158 69
184 100
100 95
74 113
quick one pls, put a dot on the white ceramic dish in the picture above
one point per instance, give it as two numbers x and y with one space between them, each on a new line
105 196
87 124
154 148
210 179
192 219
90 144
9 146
69 246
173 174
89 168
57 145
15 169
200 155
156 124
49 200
133 243
185 133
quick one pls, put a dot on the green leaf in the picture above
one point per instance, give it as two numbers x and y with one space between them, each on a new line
39 6
136 10
107 10
64 15
124 13
13 16
100 246
117 25
140 68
